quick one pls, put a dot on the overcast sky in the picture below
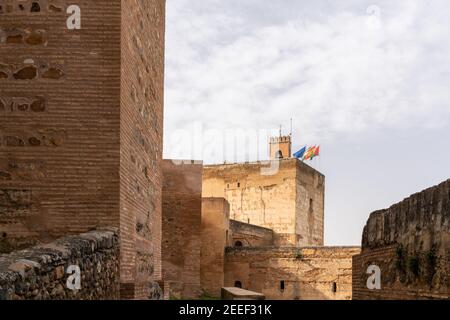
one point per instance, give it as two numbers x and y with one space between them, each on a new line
367 80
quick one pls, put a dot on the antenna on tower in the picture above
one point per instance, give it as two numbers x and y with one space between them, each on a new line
281 129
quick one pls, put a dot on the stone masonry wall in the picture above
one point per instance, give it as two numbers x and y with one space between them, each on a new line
263 200
410 242
181 242
315 273
277 198
249 235
310 206
215 235
41 273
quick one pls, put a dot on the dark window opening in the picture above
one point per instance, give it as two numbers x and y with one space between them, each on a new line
4 235
311 204
282 285
239 184
238 284
334 287
238 244
35 7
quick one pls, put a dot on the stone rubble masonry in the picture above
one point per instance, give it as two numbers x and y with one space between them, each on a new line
181 237
312 273
249 235
40 273
410 242
215 235
81 127
289 201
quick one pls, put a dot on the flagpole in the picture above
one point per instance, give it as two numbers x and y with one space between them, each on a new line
291 128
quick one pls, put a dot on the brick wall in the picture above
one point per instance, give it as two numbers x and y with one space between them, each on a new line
59 120
214 233
81 119
181 237
292 273
42 272
142 82
410 243
249 235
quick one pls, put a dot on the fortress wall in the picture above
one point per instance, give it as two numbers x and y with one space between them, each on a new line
81 118
250 235
410 242
214 234
264 200
142 101
42 272
181 240
310 206
59 120
305 273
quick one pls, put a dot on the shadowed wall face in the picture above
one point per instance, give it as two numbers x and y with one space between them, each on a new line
215 233
310 206
181 241
81 115
319 273
247 235
410 243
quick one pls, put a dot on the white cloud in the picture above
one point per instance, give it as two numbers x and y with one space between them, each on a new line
333 71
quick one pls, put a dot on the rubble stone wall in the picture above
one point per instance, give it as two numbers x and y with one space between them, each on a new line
43 272
410 242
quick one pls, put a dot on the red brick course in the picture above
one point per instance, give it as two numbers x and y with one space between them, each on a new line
81 126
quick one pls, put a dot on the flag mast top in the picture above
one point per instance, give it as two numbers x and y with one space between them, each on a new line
291 128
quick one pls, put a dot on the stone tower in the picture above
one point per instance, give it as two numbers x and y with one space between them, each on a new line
81 126
280 147
288 198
